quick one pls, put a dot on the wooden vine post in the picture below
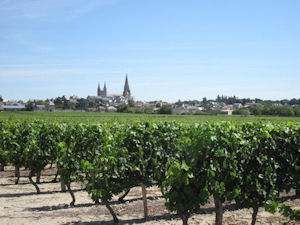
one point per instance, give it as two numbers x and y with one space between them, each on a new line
144 193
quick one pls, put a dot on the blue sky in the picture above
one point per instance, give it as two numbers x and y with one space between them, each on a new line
171 49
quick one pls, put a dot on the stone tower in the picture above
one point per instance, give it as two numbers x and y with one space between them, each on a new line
104 90
98 90
102 93
126 92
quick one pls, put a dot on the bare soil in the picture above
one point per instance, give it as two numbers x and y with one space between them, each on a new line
19 204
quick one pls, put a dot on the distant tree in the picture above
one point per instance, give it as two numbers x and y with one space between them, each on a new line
125 108
158 105
40 102
294 101
246 100
297 111
72 105
131 103
81 104
139 110
1 99
284 101
92 104
122 108
257 100
256 110
29 106
130 110
148 109
58 102
241 111
179 102
66 104
285 111
206 105
165 109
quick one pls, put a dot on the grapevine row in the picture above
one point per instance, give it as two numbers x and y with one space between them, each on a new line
249 163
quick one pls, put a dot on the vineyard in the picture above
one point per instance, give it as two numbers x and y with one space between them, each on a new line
248 163
96 117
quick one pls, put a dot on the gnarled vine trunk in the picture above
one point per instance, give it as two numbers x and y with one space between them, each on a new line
17 174
121 199
254 215
185 217
71 193
116 220
55 178
33 183
2 166
38 177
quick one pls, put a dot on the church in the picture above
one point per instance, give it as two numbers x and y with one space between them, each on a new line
113 98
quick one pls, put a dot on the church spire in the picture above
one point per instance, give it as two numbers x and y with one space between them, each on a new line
98 90
126 92
104 89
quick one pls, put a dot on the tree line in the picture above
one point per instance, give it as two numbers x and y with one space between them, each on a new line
269 110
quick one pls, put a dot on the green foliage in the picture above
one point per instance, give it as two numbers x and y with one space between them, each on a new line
241 111
275 110
30 106
250 163
125 108
149 109
273 206
258 169
165 109
3 150
131 103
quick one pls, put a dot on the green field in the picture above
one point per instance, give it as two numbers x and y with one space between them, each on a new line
95 117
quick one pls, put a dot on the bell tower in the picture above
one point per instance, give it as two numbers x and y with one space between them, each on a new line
126 92
98 90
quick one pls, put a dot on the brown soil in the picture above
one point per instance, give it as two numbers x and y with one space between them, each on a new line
19 204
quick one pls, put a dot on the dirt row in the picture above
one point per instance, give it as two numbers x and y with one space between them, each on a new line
19 204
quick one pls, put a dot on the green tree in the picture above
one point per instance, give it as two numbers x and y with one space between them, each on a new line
122 108
29 106
82 104
242 111
285 111
256 110
205 104
166 109
131 103
40 102
58 102
297 111
149 109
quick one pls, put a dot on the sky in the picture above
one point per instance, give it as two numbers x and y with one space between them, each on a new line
170 49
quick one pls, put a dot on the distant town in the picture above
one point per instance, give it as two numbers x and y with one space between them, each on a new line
105 101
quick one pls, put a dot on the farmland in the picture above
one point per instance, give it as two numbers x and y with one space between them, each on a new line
94 117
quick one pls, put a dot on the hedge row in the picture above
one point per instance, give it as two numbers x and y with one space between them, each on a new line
250 163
